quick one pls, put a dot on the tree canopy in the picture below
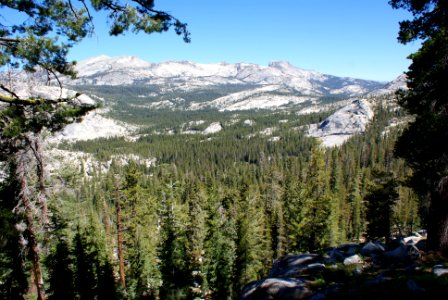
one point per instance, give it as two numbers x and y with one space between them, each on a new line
424 144
36 36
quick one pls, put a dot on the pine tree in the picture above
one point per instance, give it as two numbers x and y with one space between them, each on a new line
41 44
60 269
85 277
174 260
195 199
220 247
354 219
13 268
380 200
253 245
424 143
312 222
272 197
139 221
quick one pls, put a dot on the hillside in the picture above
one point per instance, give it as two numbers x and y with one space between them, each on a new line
133 89
200 189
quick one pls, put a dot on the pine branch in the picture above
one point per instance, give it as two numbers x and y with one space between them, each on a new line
8 42
9 91
18 101
35 101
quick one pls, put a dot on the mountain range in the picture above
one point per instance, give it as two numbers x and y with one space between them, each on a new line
131 86
126 70
184 85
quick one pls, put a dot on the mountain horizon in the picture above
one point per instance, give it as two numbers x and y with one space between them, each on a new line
187 75
275 63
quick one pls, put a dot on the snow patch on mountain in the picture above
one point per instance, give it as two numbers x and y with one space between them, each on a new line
343 124
188 75
103 63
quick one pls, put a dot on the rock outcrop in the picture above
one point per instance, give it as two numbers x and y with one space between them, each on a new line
344 123
355 271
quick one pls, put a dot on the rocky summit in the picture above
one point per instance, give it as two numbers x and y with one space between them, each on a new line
105 70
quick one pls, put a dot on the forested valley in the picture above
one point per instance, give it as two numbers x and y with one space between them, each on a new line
213 212
182 210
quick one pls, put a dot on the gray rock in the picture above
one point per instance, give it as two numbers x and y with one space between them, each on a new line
421 245
314 268
414 287
336 255
352 260
403 253
276 288
357 271
345 122
439 270
371 248
291 265
349 249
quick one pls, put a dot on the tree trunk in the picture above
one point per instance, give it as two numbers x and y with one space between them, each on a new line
120 240
34 143
33 247
42 197
438 231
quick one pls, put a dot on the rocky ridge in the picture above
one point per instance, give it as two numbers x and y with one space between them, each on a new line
371 270
104 70
276 86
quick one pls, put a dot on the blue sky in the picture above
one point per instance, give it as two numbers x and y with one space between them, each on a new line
354 38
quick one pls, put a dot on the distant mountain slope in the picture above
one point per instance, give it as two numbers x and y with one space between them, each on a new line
391 87
104 70
132 90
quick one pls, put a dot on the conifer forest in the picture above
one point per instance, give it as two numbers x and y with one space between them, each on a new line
202 200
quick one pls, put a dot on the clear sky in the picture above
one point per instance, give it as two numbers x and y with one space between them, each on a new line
354 38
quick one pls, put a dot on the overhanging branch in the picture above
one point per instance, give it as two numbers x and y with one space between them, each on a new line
35 101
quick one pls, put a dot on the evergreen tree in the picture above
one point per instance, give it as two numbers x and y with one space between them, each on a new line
272 197
93 274
139 221
253 248
313 227
174 260
195 199
424 144
107 287
13 268
41 43
382 196
85 277
220 245
60 269
355 217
